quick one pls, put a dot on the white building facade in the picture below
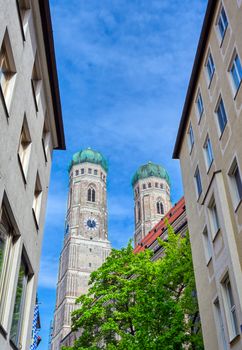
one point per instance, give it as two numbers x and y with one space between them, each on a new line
30 128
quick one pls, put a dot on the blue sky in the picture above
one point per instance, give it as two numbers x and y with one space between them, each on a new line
124 67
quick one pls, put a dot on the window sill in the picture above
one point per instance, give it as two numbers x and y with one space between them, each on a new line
4 103
222 132
210 80
13 345
34 96
210 165
22 171
191 148
35 219
3 332
234 339
238 205
45 155
20 21
222 37
216 234
238 88
209 260
199 196
200 117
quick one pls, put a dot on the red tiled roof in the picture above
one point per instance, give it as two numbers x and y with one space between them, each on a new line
158 229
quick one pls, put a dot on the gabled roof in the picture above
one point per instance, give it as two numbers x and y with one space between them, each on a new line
195 73
51 62
173 214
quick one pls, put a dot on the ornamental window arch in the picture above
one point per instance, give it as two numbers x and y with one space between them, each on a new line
91 193
159 206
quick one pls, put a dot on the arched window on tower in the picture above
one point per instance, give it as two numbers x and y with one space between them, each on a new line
139 212
91 194
160 207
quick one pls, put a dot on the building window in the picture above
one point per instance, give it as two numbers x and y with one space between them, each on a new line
208 152
156 184
144 186
221 115
36 82
234 173
19 304
190 137
222 22
160 208
149 184
7 71
210 67
95 171
139 211
23 7
207 245
230 309
37 200
89 171
46 140
198 182
6 247
199 104
24 148
236 72
91 194
220 326
161 186
215 224
82 171
90 264
76 172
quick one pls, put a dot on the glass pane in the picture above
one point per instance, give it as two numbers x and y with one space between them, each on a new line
238 182
17 313
235 77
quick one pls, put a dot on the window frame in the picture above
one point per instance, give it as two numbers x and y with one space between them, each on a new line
224 21
230 308
198 182
214 218
199 105
236 193
222 118
24 149
191 139
235 87
8 74
210 67
208 152
23 14
220 324
28 274
207 243
37 200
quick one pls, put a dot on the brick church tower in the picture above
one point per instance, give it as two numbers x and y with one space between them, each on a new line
151 187
86 244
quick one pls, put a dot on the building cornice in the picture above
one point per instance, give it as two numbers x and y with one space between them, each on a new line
208 20
52 70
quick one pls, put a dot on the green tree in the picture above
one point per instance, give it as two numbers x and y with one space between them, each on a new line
135 303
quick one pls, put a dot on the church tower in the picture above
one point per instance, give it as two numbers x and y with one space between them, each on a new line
86 244
151 186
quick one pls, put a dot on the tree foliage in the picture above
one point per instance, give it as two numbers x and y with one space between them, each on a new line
135 303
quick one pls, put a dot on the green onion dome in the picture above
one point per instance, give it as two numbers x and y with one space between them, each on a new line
90 156
148 170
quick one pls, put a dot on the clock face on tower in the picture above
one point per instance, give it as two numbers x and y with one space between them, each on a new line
91 223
